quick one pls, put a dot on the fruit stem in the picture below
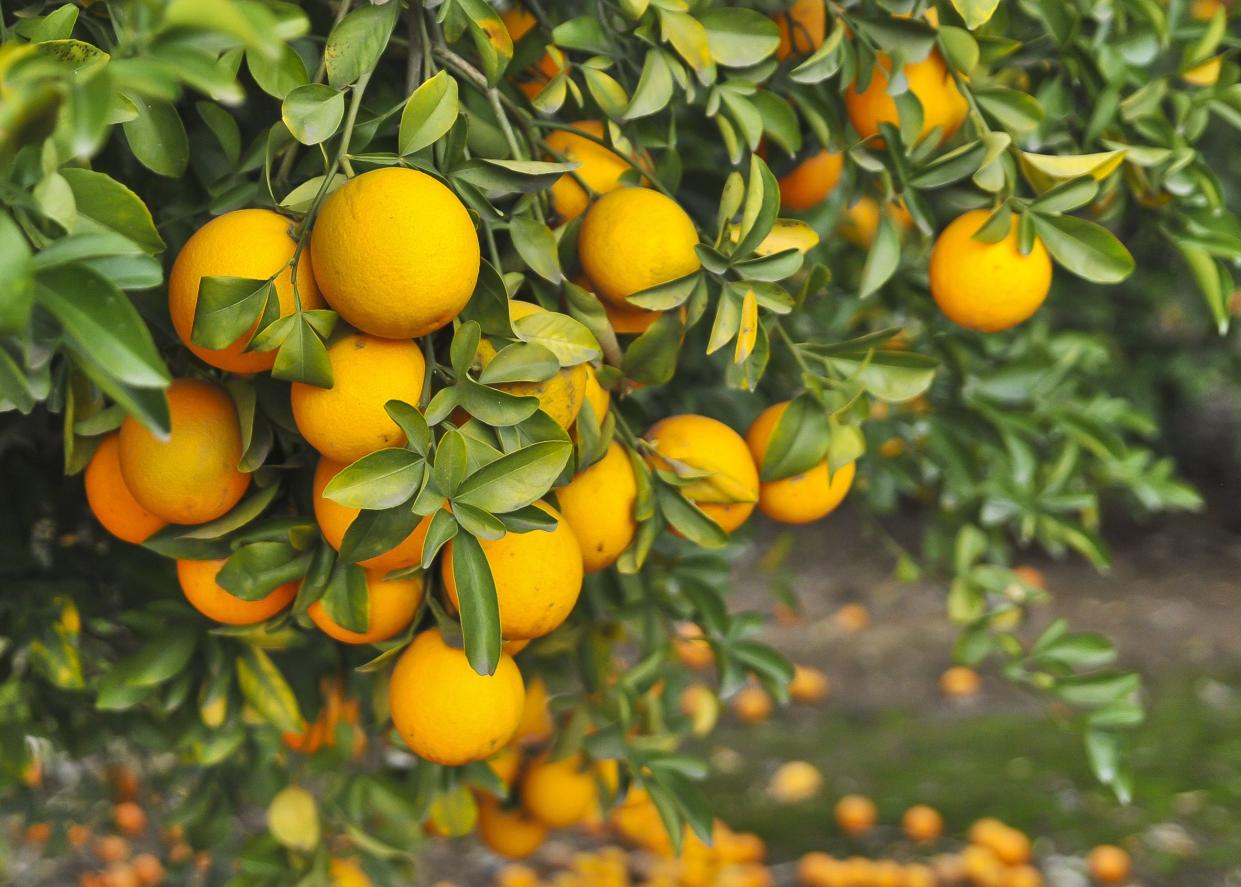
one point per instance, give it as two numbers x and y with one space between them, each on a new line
355 104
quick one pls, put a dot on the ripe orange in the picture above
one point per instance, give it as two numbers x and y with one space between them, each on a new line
599 398
506 764
818 869
598 505
562 395
692 648
808 685
348 420
1022 876
37 833
853 618
802 498
959 682
1010 845
509 833
728 488
1109 864
538 577
113 505
395 253
803 27
347 873
121 875
559 793
536 718
197 580
78 834
130 819
253 243
919 875
987 286
812 180
191 477
856 814
632 239
860 221
628 319
111 848
752 704
444 710
943 106
922 823
334 519
601 168
148 869
794 782
393 603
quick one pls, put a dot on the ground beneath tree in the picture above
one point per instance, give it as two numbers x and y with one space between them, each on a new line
1172 604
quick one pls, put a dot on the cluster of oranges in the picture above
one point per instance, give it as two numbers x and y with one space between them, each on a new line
109 851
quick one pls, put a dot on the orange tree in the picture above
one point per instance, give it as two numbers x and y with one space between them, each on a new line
444 348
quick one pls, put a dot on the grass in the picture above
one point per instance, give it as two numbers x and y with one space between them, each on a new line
1184 826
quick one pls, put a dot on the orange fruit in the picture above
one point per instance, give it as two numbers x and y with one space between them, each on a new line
812 180
78 834
922 823
192 476
111 848
987 287
598 504
853 618
982 866
632 239
943 106
919 875
1032 576
860 221
130 819
392 605
818 869
148 869
752 704
444 710
509 833
794 782
560 396
348 420
121 875
536 718
347 873
599 398
395 253
506 764
538 577
628 319
559 793
37 833
808 685
801 498
803 27
726 486
1010 845
1108 864
334 520
600 167
959 682
252 243
1022 876
113 505
197 580
856 814
692 648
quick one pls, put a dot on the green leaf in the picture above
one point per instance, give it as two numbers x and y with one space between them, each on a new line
157 137
883 257
354 46
374 532
536 244
235 519
739 37
1091 691
101 321
280 76
383 479
976 13
491 37
107 202
162 658
477 603
688 519
652 357
429 114
1016 111
888 375
265 688
303 356
413 423
1087 249
452 463
313 112
443 529
520 362
255 570
654 88
345 599
228 309
1067 196
799 440
16 277
568 339
515 480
